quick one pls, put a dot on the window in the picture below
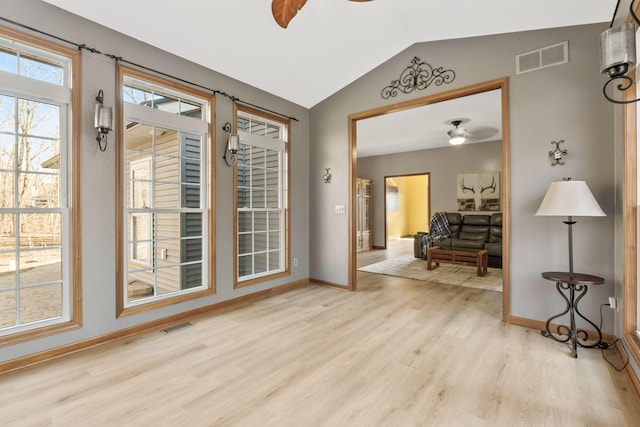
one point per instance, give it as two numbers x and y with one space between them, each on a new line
631 261
165 192
261 197
39 229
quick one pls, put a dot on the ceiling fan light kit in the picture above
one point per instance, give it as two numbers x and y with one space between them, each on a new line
457 140
457 136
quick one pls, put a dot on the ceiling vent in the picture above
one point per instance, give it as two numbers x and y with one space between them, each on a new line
542 58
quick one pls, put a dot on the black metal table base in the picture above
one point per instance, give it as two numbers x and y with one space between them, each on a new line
564 333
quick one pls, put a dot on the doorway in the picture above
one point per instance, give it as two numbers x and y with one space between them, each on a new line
502 86
407 209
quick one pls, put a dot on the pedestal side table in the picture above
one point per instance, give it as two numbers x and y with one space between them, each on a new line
573 283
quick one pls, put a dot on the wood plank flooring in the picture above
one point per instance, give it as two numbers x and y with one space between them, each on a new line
398 352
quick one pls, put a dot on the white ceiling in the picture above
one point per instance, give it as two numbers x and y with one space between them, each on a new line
331 43
426 127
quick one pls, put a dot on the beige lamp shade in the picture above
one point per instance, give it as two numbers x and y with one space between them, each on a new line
569 198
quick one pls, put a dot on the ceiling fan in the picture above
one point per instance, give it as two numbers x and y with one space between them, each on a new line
284 10
459 135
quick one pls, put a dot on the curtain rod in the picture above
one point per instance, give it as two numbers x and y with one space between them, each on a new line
121 59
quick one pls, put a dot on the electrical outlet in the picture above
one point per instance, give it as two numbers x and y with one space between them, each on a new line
613 303
295 262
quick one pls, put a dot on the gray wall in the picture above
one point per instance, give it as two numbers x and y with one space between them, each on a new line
442 163
562 102
98 174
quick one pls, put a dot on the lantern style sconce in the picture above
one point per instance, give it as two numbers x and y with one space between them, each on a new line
103 121
233 143
617 55
327 176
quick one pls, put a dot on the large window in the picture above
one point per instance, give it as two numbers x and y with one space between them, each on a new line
164 193
261 197
39 230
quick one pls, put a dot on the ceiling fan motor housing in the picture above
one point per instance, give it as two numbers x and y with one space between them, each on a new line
457 132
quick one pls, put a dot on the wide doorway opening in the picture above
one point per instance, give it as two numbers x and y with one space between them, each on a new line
385 161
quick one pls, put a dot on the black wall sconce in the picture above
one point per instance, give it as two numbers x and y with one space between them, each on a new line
327 176
556 155
618 54
103 121
231 148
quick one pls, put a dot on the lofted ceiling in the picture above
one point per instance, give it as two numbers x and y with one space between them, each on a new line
331 43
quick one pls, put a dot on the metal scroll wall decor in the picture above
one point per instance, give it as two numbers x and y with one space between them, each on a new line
556 155
418 76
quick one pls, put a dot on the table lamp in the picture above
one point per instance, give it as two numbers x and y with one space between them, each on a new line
569 198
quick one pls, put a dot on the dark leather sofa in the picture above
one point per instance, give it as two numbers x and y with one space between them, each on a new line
472 231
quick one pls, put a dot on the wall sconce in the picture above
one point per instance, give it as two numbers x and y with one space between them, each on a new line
327 176
233 143
103 121
617 54
556 155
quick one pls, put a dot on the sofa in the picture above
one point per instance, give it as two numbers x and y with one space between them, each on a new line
472 232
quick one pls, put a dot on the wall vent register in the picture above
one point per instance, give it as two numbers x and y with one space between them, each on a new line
545 57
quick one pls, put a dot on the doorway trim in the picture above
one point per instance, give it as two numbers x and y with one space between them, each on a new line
503 85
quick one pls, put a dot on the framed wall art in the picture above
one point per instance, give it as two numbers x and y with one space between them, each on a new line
479 191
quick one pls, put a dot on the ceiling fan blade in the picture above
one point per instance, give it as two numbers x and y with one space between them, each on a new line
482 133
284 10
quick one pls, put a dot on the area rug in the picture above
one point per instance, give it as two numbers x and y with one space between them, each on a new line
411 267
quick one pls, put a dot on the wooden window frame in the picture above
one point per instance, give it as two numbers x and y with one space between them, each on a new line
121 307
286 197
630 230
630 335
73 142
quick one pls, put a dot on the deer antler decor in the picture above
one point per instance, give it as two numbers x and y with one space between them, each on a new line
479 191
284 10
465 189
491 187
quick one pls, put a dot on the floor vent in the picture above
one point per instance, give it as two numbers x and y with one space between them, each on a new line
176 327
542 58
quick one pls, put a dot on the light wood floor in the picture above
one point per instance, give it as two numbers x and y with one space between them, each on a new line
395 247
398 352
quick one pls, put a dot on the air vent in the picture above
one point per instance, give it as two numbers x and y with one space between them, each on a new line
177 327
542 58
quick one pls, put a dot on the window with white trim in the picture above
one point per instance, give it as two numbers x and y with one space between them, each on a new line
165 191
261 197
37 287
